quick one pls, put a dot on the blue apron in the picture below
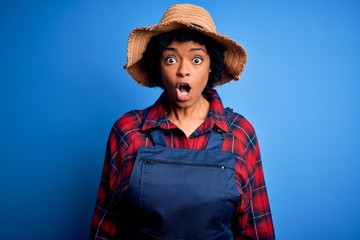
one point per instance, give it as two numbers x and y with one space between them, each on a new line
176 193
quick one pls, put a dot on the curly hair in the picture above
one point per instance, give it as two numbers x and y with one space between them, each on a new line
158 43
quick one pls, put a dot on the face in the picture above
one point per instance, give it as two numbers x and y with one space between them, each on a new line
185 68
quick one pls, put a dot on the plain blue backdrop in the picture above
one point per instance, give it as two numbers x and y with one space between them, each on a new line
62 87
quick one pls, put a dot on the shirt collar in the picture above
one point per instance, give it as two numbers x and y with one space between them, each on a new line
156 114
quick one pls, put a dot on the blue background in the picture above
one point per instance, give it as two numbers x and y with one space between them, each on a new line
62 87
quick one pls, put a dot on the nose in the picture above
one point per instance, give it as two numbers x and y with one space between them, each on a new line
180 74
183 70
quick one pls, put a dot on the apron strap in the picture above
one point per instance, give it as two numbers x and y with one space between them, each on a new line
214 143
216 140
158 137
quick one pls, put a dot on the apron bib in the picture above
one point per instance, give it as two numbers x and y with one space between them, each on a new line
176 193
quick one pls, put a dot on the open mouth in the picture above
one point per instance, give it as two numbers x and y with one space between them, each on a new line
183 92
184 87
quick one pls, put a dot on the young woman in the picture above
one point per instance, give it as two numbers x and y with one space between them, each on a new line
185 167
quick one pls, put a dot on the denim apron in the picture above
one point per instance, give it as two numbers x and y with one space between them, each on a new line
176 193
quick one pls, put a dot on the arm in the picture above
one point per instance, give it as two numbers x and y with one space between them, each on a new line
103 221
254 211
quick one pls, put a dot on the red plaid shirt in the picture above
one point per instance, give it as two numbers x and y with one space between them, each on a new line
253 217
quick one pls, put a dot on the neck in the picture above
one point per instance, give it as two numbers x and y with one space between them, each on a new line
188 119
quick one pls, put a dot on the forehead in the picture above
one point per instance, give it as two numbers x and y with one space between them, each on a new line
185 46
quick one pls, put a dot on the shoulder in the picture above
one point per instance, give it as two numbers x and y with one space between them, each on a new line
128 124
238 122
129 120
240 128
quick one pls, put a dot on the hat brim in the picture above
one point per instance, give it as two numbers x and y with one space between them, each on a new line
234 57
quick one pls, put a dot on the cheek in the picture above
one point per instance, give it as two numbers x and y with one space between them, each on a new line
205 76
166 79
168 73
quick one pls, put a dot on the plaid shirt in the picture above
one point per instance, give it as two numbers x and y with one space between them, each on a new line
252 218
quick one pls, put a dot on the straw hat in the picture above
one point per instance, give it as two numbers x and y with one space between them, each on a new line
183 16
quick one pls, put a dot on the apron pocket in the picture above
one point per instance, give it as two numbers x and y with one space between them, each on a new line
181 200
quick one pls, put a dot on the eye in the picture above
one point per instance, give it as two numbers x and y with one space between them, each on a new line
170 60
197 60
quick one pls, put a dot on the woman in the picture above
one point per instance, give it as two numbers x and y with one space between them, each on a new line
185 167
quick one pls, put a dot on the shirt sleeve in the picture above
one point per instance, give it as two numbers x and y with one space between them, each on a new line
103 224
254 213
